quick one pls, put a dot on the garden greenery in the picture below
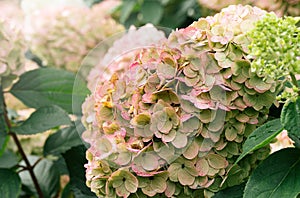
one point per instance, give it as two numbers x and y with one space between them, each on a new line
185 114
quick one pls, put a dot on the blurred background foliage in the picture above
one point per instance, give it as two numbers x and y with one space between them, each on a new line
181 13
165 13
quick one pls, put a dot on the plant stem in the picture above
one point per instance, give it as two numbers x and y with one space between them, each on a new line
28 165
21 151
294 81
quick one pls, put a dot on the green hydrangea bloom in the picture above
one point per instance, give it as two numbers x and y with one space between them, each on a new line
275 46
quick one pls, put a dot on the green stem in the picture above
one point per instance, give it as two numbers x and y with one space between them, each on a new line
21 150
295 82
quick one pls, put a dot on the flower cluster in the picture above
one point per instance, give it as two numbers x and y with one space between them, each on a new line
275 44
280 7
173 122
276 49
11 53
63 37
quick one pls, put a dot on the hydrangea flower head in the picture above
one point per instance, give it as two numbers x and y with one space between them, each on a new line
177 115
276 46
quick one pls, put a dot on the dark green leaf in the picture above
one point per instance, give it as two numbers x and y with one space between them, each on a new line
43 119
290 119
151 11
277 176
232 192
8 159
61 165
132 19
262 136
75 159
3 142
3 127
61 141
67 193
10 184
47 86
47 175
127 7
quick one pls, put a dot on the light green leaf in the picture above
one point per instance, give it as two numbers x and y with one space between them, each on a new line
10 184
61 141
261 137
43 119
277 176
152 11
48 86
290 119
127 7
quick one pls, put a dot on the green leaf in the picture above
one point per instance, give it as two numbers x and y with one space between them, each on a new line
290 119
48 86
262 136
152 11
61 141
3 128
43 119
3 141
9 159
127 7
47 175
277 176
90 3
10 184
75 159
67 193
61 165
232 192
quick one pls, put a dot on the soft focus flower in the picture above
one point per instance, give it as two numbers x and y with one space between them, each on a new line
280 7
10 10
219 4
185 107
11 53
62 37
31 6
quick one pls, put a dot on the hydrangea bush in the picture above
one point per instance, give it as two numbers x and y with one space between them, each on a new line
63 37
172 124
